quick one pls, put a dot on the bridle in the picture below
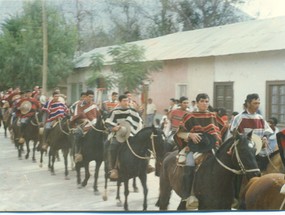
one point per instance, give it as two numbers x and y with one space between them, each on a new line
152 145
242 170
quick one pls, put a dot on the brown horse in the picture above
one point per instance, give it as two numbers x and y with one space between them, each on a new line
263 193
275 164
213 184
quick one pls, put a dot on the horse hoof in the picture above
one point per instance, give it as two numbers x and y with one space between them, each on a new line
52 173
136 190
119 203
67 178
104 197
41 165
97 193
79 186
34 161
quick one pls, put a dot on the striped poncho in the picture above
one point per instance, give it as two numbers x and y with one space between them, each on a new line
129 114
202 122
55 110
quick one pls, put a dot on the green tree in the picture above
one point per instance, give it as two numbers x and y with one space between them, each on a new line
128 65
195 14
22 53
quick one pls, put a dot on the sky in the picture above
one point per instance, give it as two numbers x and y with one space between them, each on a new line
260 9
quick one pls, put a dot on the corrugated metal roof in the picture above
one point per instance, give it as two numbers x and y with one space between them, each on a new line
243 37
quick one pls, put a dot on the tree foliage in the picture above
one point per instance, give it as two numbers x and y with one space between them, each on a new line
128 65
21 51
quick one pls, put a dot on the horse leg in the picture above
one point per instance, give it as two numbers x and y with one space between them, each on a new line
126 193
145 190
96 175
28 149
65 157
78 174
164 193
20 147
41 158
118 198
105 195
34 151
87 173
136 189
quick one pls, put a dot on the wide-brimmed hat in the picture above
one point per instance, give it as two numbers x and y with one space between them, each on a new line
25 107
124 132
15 97
207 142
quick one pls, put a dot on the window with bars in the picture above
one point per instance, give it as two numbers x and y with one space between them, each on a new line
223 96
275 91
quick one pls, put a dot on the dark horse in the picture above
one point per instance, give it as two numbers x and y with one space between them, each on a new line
92 148
59 138
213 184
133 159
30 131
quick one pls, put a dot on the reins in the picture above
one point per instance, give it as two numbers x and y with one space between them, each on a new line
61 129
152 145
238 172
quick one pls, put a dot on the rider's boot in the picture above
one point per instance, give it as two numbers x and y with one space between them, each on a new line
45 137
187 182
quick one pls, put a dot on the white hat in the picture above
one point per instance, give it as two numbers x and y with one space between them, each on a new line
124 132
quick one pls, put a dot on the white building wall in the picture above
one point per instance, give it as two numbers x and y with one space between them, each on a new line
249 72
200 76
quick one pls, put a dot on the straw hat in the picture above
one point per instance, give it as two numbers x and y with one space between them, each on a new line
25 107
124 132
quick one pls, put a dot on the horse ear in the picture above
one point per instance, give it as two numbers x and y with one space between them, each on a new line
235 133
249 135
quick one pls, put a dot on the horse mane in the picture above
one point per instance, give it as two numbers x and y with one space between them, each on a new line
225 145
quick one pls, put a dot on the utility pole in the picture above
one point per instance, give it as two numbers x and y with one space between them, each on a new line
45 48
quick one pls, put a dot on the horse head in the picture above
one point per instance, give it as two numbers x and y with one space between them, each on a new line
241 150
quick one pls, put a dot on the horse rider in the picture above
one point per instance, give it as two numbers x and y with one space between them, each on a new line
250 120
196 127
84 117
110 104
175 117
119 115
54 110
73 106
247 121
27 107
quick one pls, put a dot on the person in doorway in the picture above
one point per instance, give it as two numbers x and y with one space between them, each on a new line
150 112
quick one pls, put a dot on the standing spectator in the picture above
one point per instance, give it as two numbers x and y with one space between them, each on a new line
173 105
193 106
150 112
165 123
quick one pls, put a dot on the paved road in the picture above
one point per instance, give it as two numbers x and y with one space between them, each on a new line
24 186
